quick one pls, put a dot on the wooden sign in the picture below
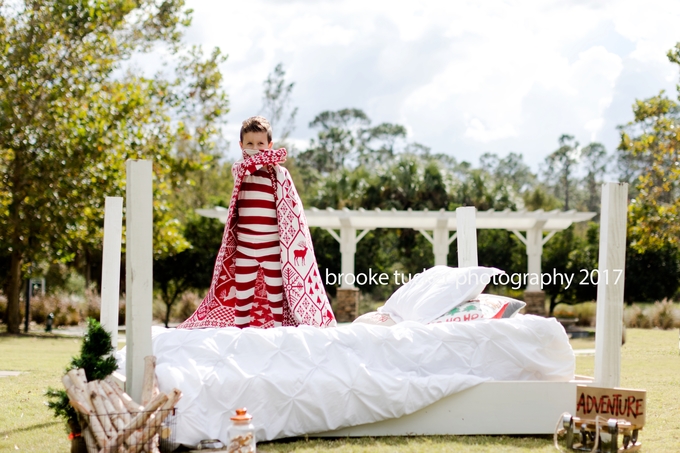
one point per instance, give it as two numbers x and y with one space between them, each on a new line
621 404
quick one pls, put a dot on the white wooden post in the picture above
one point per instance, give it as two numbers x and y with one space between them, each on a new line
348 249
440 242
534 244
113 234
348 241
138 274
467 236
612 262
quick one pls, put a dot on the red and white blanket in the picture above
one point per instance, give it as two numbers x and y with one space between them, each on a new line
305 296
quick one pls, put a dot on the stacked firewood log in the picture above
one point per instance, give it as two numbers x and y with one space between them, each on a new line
111 421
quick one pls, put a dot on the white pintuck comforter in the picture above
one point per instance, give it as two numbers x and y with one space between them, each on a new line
297 381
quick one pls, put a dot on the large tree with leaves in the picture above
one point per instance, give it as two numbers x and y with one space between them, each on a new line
67 125
653 137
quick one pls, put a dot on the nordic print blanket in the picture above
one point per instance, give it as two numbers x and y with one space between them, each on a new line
305 300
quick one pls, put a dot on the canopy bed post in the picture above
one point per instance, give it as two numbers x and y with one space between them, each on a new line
612 263
113 231
138 272
466 224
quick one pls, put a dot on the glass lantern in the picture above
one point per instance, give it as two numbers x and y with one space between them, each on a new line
241 433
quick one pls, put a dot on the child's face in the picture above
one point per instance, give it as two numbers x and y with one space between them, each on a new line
255 140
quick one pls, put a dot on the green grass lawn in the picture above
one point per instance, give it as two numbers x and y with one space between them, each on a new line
650 360
25 422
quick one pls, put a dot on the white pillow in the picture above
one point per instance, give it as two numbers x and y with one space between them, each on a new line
436 291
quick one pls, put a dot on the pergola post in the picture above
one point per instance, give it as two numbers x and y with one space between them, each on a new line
612 262
113 231
440 242
348 250
534 296
346 307
138 272
534 246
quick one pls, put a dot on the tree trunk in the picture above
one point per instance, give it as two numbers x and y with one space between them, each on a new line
88 268
14 288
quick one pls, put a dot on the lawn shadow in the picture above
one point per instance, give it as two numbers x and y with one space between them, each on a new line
28 428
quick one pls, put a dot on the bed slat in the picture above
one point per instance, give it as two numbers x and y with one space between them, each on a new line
138 272
466 226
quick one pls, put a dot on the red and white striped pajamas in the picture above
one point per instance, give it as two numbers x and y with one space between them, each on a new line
257 247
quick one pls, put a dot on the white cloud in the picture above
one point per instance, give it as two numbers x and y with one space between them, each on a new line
476 130
464 77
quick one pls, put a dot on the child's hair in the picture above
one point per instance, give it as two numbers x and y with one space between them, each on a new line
256 124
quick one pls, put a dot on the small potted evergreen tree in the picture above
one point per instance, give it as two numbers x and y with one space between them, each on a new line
97 360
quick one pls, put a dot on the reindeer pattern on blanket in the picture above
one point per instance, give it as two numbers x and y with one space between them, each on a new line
305 299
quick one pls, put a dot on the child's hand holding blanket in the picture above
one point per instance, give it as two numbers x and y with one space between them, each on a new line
251 164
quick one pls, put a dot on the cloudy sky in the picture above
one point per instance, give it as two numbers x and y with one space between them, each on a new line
464 77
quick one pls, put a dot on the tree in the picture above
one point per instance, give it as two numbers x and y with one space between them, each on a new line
652 275
381 143
649 158
653 138
276 104
191 268
594 159
67 125
510 178
339 139
556 259
561 165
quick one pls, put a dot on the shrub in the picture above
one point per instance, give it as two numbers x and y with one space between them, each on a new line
121 312
95 358
66 309
3 306
585 313
633 316
664 315
564 311
93 304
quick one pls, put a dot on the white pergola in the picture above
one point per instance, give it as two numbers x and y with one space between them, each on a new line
435 226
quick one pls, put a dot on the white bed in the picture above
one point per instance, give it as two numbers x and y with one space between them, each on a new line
305 380
442 402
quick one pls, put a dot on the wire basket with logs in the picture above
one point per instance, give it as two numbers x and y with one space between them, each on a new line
112 422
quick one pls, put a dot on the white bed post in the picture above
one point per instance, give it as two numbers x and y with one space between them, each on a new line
612 263
138 273
466 226
113 233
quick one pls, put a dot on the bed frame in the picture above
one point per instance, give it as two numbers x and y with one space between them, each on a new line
496 407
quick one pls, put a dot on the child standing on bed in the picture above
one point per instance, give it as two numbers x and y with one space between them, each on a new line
265 274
